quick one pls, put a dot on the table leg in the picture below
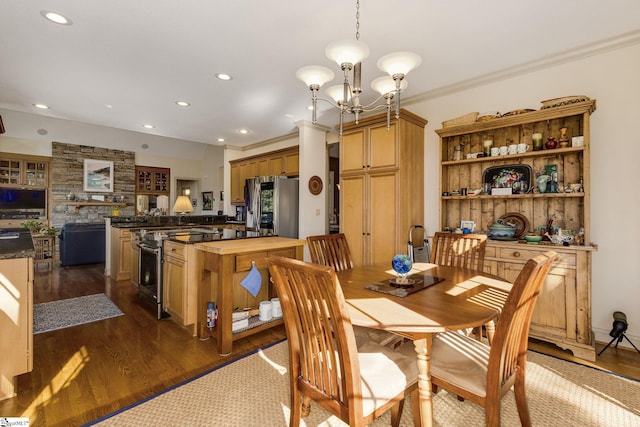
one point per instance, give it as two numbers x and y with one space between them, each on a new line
423 350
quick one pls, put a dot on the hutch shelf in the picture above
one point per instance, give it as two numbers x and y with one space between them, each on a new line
563 312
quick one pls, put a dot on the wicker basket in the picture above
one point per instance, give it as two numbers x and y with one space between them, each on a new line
463 120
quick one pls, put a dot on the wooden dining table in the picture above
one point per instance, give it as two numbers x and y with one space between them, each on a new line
462 299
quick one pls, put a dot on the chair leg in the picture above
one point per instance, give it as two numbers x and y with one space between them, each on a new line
492 414
521 399
396 413
415 407
296 407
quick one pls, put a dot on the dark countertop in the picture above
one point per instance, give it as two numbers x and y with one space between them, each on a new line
16 243
191 237
168 221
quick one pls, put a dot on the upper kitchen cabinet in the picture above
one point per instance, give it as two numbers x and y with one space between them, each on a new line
23 171
152 180
274 163
381 185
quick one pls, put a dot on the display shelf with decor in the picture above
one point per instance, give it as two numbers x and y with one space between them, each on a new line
78 205
500 184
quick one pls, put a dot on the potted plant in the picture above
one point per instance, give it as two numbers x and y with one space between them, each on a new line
36 227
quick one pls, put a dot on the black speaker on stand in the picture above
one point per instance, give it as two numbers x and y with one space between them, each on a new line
618 330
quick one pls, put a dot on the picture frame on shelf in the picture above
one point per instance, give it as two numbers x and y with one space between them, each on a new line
207 200
98 176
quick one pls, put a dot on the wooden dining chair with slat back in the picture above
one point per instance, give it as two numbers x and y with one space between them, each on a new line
333 250
459 250
330 249
481 373
355 382
464 251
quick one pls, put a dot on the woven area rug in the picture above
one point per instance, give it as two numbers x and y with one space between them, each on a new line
50 316
254 391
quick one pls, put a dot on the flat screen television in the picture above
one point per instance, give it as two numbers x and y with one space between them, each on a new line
17 199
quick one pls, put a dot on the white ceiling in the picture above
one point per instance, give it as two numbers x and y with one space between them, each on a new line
140 56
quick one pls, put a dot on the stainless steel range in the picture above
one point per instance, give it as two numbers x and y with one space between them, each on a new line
150 269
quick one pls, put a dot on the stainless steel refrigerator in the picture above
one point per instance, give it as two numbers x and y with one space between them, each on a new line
272 204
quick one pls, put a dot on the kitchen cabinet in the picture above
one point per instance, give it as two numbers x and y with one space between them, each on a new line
16 322
180 283
274 163
381 185
152 180
120 257
563 312
24 171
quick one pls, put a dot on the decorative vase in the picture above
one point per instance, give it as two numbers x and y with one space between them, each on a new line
542 181
537 141
402 265
551 143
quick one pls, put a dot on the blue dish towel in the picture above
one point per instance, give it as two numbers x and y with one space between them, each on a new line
253 281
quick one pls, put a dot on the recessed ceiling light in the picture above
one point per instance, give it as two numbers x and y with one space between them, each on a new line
56 17
182 103
148 126
310 107
223 76
109 106
41 106
290 116
243 131
220 139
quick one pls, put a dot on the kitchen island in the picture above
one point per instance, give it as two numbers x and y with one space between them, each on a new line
16 307
222 265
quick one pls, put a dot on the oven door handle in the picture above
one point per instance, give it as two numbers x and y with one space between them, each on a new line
148 249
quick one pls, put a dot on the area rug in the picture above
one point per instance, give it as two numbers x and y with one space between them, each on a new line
50 316
254 391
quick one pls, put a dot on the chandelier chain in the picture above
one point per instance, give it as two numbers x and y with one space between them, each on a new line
357 19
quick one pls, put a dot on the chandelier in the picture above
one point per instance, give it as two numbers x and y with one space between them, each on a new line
349 54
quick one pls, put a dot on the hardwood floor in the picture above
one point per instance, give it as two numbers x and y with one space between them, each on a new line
88 371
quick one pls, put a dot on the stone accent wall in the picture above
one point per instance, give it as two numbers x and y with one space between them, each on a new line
67 169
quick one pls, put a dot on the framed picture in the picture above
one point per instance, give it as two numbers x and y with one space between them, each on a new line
98 176
207 200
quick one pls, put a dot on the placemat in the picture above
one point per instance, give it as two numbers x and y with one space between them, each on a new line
387 287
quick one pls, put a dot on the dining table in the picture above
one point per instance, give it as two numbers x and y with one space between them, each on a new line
441 299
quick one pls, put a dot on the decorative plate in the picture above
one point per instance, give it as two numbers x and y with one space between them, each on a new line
505 175
315 185
519 221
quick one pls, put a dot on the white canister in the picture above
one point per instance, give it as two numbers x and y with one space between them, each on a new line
275 307
504 150
266 310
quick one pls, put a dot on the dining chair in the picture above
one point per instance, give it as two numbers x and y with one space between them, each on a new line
464 251
333 250
459 250
356 383
481 373
330 249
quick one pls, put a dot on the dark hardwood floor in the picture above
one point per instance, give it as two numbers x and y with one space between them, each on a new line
87 371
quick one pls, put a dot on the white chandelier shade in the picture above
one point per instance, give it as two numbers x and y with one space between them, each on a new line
399 63
315 75
385 84
336 92
347 51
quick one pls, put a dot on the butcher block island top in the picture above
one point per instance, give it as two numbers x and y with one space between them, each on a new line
223 265
239 246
